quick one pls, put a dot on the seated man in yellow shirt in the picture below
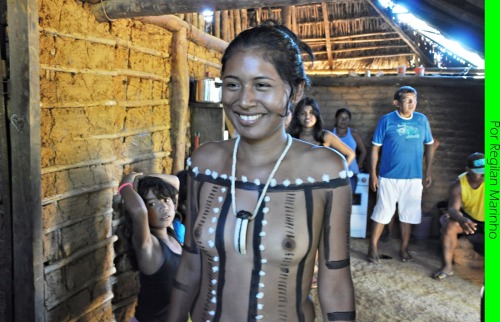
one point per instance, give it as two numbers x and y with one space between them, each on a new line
466 211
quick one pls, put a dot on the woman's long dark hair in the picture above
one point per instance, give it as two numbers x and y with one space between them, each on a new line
162 190
295 128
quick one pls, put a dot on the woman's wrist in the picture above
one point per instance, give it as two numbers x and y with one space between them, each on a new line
124 185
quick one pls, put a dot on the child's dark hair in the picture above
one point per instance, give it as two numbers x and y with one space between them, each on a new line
162 190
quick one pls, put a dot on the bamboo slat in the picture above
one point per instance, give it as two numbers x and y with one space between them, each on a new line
217 23
104 161
237 22
225 26
106 41
375 56
79 254
244 19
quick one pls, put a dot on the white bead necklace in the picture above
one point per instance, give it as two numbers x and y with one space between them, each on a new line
243 216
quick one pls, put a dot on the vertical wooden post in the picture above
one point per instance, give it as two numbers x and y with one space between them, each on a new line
6 253
23 111
258 15
286 17
294 20
225 25
217 24
179 97
200 21
237 22
231 25
326 24
244 19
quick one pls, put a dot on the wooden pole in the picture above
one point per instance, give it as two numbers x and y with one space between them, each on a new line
231 25
179 97
217 24
23 111
244 19
225 25
294 20
326 24
237 22
173 23
258 15
286 16
106 10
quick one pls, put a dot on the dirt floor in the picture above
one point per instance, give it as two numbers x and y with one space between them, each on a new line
397 291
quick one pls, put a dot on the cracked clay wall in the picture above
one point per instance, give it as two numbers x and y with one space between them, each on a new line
105 111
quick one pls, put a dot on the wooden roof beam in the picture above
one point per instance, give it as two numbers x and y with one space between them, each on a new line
347 41
374 56
351 36
348 50
120 9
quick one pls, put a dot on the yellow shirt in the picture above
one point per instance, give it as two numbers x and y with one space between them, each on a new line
472 199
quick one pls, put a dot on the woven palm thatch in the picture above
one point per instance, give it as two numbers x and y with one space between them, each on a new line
359 37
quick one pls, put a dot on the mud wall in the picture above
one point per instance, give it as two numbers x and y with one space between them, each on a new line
105 111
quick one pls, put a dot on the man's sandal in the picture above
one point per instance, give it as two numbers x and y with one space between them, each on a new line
440 275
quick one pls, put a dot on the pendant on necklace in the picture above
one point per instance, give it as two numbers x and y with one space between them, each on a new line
243 216
240 233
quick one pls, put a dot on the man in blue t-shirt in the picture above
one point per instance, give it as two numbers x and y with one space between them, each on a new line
403 136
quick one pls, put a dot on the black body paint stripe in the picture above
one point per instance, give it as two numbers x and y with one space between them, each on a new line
342 316
338 264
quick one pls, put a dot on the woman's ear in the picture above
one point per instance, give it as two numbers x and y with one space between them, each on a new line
298 93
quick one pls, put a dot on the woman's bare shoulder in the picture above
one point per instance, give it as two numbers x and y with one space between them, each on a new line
317 160
211 155
330 138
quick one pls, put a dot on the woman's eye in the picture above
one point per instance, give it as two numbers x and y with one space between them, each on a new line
231 85
263 85
151 204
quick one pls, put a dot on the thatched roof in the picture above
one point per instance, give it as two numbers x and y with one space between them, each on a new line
460 20
346 35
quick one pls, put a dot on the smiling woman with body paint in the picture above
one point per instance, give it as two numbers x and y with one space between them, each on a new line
261 206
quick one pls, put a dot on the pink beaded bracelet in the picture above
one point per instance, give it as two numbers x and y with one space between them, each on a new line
124 185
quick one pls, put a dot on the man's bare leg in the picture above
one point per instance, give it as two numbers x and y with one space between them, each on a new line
405 242
449 241
377 229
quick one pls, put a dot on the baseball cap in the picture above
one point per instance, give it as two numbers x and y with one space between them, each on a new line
475 162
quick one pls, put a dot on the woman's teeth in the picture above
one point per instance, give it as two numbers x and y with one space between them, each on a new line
250 117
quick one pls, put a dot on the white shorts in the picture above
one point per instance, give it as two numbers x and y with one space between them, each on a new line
407 193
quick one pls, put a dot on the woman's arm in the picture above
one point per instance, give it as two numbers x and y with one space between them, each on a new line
334 142
335 286
361 146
